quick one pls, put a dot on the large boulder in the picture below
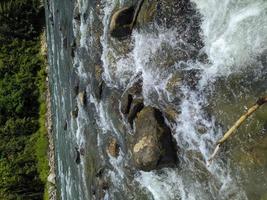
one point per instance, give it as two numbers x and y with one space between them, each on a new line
153 147
123 20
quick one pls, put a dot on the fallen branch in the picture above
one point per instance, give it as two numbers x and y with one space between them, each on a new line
237 124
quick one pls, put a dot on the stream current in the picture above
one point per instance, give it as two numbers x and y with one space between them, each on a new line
227 64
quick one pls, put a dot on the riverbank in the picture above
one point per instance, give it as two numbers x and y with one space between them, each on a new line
51 193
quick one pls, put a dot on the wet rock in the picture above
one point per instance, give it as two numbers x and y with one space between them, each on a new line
173 88
180 14
136 106
102 187
73 48
171 114
113 148
77 14
153 147
99 82
75 112
78 156
76 89
147 12
65 125
134 91
82 98
123 20
191 78
65 42
201 128
174 83
126 103
82 151
100 172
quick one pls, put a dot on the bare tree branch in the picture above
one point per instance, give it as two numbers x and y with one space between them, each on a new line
237 124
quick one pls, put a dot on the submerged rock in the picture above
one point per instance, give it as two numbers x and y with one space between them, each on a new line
153 147
171 113
113 148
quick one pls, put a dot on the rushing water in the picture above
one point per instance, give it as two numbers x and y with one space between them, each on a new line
229 59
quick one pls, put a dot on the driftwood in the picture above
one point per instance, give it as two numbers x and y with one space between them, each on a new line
237 124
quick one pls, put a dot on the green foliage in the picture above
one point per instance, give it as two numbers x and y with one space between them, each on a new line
20 19
23 144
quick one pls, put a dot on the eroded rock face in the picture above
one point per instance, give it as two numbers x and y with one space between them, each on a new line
153 147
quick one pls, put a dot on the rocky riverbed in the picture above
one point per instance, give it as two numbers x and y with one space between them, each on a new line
141 91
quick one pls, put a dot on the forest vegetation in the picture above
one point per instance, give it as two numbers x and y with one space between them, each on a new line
23 144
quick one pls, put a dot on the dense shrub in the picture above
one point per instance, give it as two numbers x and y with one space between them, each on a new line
21 75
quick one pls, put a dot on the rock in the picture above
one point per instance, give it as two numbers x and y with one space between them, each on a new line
134 90
113 148
65 125
65 42
174 83
78 156
82 98
147 12
76 89
77 14
100 172
180 14
136 106
121 22
191 77
126 103
153 147
171 114
52 178
99 82
74 113
82 151
201 128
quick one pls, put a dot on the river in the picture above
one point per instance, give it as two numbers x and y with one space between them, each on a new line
205 60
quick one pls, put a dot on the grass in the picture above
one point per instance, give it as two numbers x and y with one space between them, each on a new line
41 137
